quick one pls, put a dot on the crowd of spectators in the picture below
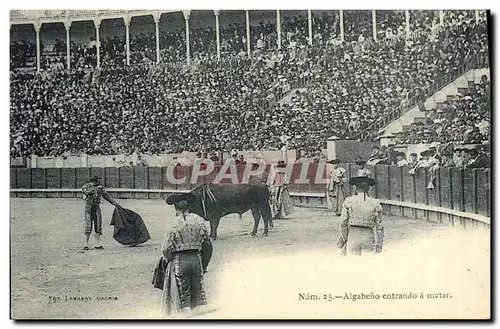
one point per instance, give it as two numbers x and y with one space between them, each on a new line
439 155
465 119
351 90
226 105
21 53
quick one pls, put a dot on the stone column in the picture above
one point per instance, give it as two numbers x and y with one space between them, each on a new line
38 26
97 24
341 14
186 14
278 27
126 20
217 31
310 25
249 49
67 26
441 17
374 23
157 17
407 25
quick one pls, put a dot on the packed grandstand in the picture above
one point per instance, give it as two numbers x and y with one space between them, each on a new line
340 83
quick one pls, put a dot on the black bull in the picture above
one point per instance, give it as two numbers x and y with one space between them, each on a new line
232 199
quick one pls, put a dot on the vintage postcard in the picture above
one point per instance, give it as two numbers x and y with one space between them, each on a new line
250 164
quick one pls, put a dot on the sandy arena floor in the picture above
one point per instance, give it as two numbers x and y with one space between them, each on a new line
248 277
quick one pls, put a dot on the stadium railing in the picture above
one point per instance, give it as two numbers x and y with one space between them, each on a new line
461 195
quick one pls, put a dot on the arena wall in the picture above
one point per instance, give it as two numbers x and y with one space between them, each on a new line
457 193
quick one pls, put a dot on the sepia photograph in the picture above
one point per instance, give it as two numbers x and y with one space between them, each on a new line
188 164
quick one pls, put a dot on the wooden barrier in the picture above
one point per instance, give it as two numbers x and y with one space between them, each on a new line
68 181
53 181
127 180
141 181
112 179
155 180
461 191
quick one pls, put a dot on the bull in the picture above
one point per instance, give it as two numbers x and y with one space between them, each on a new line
214 201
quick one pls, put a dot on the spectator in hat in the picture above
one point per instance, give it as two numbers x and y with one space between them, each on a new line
446 160
335 187
214 157
383 159
200 162
400 160
92 193
413 160
362 170
141 162
262 175
458 157
478 159
374 156
361 225
234 156
466 155
241 160
426 162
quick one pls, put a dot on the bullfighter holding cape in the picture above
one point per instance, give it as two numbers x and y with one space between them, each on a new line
361 228
129 227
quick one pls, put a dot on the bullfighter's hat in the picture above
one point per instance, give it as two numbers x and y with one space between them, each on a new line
334 161
362 180
176 198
